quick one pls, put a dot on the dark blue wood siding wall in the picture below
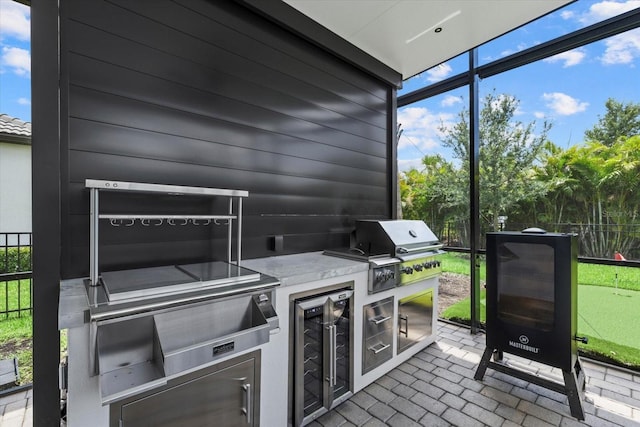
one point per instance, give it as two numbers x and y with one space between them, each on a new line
199 93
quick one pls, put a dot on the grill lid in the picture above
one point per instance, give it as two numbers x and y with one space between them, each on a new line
395 237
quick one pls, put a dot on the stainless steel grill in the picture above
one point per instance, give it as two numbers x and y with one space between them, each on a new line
399 252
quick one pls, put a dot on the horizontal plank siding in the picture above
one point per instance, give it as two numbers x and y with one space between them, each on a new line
207 93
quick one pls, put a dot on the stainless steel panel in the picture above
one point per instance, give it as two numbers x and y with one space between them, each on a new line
211 273
138 353
213 397
141 187
154 281
377 317
377 350
129 359
194 336
145 282
415 317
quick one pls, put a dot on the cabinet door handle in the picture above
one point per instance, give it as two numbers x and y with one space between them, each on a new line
380 347
247 402
379 319
404 319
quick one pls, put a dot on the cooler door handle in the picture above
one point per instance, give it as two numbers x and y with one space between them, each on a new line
334 355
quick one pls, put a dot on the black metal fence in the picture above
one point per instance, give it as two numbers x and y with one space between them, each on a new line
16 285
594 240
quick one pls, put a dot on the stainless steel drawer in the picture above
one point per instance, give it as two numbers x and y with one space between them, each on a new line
377 334
378 317
377 350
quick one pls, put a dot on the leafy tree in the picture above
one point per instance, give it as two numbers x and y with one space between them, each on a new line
508 150
620 121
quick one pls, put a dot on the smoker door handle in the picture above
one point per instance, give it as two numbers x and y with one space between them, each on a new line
404 318
248 401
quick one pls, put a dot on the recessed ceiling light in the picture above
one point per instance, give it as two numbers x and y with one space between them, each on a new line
434 26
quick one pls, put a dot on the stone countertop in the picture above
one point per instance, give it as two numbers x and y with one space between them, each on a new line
73 307
288 269
304 268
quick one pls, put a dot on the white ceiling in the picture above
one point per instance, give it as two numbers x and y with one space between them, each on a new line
402 33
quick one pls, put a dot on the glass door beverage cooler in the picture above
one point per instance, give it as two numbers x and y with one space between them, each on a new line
322 353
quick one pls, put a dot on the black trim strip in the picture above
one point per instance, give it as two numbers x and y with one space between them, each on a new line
305 27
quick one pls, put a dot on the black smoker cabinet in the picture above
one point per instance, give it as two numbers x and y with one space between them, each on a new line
532 303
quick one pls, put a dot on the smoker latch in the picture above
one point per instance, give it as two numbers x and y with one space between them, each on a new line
584 340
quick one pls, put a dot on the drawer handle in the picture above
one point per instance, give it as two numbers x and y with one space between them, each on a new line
379 319
381 347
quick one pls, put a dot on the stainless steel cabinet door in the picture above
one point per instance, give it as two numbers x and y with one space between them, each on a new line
414 319
222 398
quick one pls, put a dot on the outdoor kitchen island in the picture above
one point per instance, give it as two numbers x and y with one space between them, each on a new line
305 274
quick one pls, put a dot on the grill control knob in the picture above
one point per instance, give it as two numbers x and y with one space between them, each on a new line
379 276
407 270
418 267
437 263
427 264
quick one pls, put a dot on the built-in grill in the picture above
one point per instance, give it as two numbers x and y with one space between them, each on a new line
531 303
399 252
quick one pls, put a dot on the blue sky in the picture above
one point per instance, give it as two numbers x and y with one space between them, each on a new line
568 90
15 60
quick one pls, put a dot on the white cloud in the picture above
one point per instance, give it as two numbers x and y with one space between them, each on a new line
607 9
567 14
569 58
622 49
539 115
439 72
563 104
450 101
24 101
17 59
420 128
406 164
14 20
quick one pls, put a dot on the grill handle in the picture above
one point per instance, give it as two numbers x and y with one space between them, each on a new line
403 250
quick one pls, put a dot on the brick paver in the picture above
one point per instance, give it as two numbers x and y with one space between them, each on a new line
436 388
446 394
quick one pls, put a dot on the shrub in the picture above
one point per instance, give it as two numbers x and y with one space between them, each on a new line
15 260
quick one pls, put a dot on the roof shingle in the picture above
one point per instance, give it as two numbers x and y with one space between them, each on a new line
12 126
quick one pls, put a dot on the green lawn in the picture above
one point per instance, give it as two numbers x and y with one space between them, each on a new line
14 294
608 316
16 341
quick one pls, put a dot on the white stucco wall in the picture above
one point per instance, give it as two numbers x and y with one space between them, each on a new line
15 187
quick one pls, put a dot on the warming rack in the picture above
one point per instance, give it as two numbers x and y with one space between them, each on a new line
96 186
